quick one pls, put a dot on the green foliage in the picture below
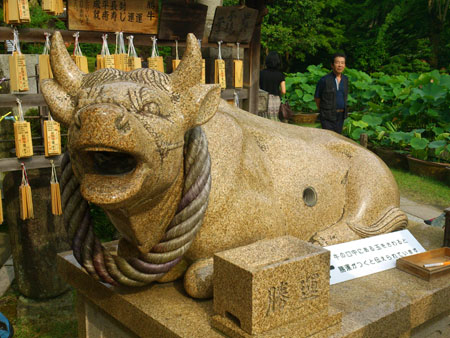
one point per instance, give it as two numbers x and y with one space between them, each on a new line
391 36
230 2
300 88
409 112
103 227
296 28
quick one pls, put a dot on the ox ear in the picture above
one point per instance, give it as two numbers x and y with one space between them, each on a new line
206 101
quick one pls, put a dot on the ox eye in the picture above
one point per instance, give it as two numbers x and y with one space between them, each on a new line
151 108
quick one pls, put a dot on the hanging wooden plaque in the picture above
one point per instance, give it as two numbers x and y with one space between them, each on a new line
219 73
24 11
175 64
18 72
156 63
177 20
52 138
134 63
45 70
22 138
131 16
238 73
121 61
233 24
203 71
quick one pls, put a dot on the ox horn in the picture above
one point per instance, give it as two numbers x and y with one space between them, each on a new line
66 72
189 71
59 92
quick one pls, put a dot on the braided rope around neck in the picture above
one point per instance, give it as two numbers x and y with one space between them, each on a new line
138 271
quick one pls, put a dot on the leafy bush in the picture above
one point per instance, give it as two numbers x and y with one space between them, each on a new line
300 88
408 112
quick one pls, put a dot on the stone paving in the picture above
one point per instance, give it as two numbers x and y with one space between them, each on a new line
418 212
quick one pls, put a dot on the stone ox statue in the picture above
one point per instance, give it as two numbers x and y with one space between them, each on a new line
178 192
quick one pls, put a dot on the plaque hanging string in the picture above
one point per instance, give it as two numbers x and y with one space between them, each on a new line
47 43
16 42
131 49
19 115
220 49
155 52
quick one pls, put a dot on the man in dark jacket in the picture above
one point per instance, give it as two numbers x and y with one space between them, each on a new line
331 96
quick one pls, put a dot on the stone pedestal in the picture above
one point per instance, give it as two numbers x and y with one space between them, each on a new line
391 303
270 283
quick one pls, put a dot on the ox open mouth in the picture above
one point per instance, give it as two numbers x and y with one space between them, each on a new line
111 162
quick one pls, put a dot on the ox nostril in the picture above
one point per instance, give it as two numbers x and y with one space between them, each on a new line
77 120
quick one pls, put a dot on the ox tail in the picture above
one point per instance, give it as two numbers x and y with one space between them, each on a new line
392 220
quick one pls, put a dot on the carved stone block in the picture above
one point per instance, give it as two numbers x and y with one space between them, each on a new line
271 282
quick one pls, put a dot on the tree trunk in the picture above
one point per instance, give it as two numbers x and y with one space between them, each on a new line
435 40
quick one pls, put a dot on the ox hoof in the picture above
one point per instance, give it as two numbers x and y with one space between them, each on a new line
176 272
198 279
335 234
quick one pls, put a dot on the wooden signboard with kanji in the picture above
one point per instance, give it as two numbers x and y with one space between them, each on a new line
233 24
131 16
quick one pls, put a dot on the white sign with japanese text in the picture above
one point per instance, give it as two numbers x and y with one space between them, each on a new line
366 256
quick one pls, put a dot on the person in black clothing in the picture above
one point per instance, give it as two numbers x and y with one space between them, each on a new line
331 96
272 81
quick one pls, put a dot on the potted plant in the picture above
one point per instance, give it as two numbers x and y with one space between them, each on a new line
430 158
300 88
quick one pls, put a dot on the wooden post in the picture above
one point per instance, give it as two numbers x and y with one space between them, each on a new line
447 228
253 54
363 140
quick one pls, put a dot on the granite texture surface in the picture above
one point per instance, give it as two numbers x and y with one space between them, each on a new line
387 304
268 179
321 324
271 282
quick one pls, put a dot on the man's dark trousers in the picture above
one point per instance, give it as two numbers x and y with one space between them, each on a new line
334 125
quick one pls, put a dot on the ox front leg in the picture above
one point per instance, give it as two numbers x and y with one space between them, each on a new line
337 233
198 280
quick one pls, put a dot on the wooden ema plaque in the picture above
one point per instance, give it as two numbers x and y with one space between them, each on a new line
45 70
238 73
11 11
177 20
121 61
52 138
18 72
53 7
24 11
81 62
175 64
156 63
233 24
219 73
131 16
134 63
16 11
203 71
22 138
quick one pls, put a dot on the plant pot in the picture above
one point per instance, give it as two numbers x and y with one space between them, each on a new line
305 118
438 171
392 158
